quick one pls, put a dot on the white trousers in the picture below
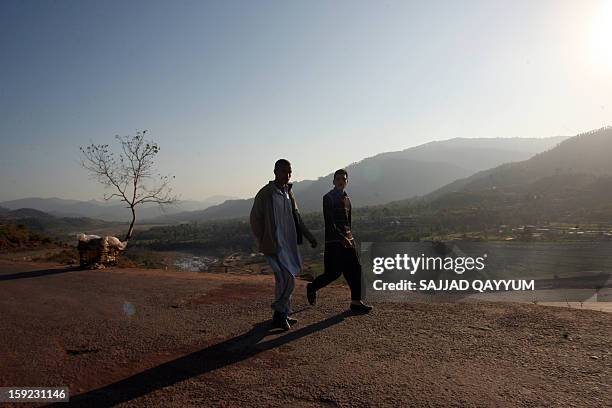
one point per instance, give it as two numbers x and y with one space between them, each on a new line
284 286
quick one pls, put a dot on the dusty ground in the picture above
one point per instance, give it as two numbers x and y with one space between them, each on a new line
148 338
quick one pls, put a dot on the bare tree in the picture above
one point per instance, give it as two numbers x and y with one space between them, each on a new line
130 174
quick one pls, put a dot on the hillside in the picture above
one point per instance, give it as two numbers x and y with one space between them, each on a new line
569 183
396 175
587 153
58 227
15 237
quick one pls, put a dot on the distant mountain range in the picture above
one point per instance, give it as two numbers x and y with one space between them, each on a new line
572 181
569 182
106 210
396 175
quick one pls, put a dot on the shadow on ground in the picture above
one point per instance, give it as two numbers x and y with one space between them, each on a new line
200 362
35 274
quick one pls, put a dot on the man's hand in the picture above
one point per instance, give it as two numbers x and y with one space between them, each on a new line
313 243
347 243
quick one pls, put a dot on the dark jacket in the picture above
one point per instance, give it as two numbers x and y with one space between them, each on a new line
337 214
263 223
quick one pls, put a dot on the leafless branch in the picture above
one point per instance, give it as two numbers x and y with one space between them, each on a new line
128 173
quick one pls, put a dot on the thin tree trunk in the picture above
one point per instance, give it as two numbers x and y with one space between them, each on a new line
129 233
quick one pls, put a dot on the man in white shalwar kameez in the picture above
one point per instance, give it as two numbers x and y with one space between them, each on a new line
279 228
287 263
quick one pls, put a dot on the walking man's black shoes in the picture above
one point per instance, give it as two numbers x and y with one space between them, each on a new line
280 320
311 294
360 308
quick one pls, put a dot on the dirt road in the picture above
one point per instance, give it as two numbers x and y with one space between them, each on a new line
147 338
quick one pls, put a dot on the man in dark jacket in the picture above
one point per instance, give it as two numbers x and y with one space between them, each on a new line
340 254
279 229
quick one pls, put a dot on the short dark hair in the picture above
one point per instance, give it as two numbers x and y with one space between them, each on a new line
340 172
281 162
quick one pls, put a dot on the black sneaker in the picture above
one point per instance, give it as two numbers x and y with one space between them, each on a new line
311 294
291 321
361 308
279 320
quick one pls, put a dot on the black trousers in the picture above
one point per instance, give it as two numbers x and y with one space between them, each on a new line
339 260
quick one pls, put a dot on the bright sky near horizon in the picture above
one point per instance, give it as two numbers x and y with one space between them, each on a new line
228 87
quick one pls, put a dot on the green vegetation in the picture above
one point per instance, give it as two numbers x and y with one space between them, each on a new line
213 237
18 236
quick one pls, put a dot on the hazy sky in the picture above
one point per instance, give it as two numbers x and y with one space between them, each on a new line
228 87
